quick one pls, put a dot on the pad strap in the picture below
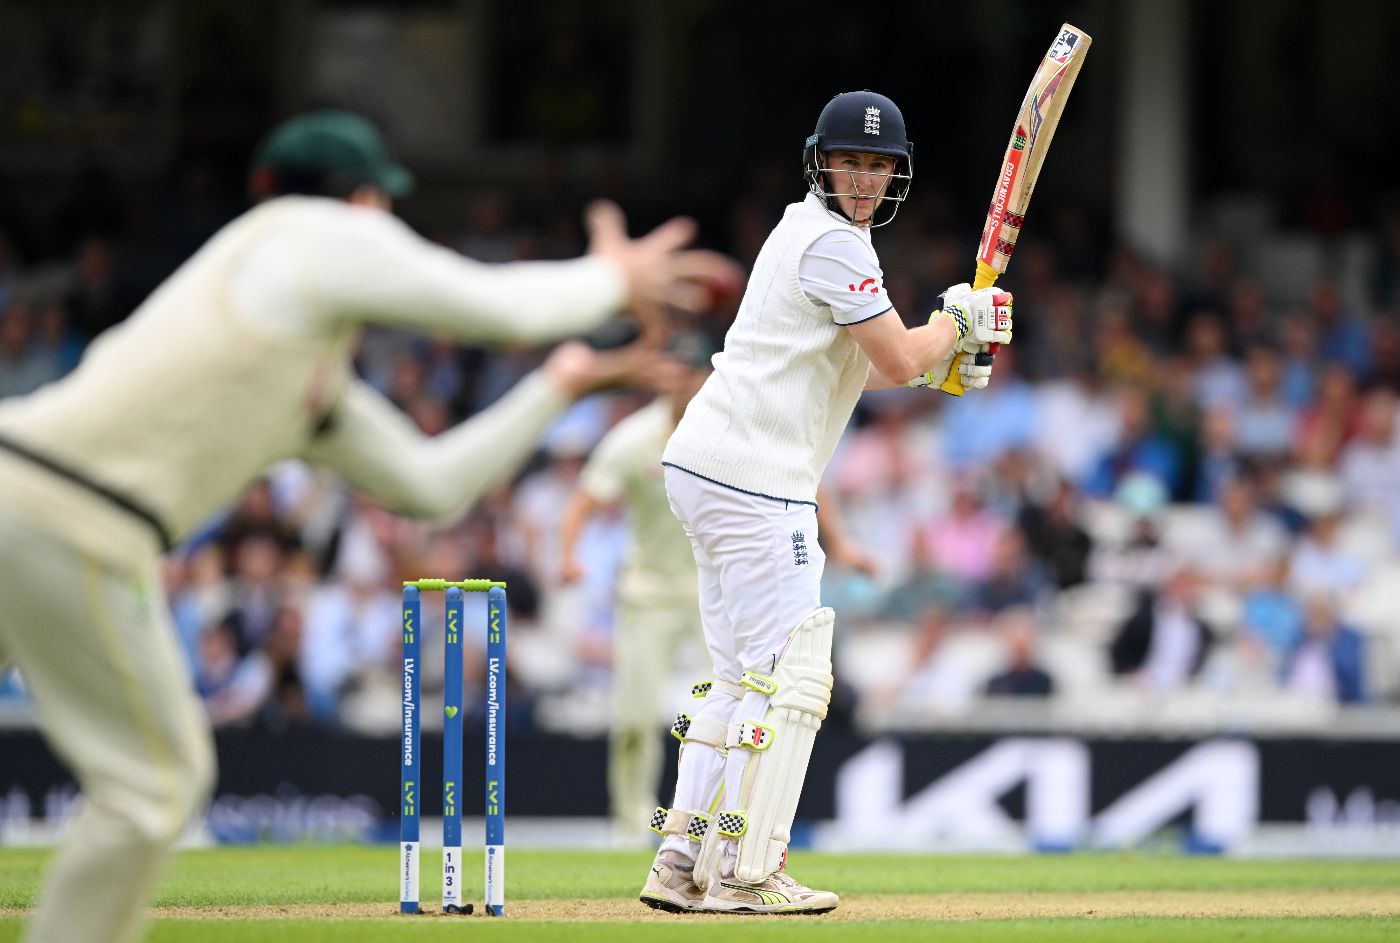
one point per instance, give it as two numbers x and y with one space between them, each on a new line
706 730
693 825
750 735
760 683
732 824
703 688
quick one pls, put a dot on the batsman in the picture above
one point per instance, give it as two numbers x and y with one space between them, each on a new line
814 329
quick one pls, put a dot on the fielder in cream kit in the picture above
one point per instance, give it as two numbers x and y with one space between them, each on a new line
814 329
241 359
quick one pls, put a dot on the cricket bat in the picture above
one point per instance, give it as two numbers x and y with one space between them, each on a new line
1025 154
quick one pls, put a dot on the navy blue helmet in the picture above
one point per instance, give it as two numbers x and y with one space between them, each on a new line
868 123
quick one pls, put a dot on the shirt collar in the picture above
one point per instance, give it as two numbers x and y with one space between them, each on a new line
818 204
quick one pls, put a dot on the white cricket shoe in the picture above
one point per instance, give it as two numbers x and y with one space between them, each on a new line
671 885
779 894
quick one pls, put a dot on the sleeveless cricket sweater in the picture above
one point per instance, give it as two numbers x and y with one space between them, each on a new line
769 417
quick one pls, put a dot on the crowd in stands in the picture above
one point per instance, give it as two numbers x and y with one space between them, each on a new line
1178 480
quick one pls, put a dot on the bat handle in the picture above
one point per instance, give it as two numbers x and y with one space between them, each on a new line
986 277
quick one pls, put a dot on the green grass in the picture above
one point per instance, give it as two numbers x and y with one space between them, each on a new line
1360 930
273 876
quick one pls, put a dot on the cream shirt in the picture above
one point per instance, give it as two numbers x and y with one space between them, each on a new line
658 564
242 359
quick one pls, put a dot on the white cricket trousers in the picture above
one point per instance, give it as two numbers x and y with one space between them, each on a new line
760 575
100 659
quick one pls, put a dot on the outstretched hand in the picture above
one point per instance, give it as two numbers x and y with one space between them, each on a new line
658 269
578 369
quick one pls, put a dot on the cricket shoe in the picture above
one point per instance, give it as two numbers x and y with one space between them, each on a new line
671 885
778 894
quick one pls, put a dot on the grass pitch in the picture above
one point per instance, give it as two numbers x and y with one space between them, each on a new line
347 894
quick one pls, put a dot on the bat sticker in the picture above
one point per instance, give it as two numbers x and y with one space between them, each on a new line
1064 46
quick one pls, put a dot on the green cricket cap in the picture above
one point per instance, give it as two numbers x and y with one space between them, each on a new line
327 151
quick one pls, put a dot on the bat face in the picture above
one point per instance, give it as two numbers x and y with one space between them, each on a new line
1025 153
1020 166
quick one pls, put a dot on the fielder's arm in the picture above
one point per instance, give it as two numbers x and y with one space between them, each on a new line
836 540
382 454
372 268
578 511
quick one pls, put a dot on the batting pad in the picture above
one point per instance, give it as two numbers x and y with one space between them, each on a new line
782 745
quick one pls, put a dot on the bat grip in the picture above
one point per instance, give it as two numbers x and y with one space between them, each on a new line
986 277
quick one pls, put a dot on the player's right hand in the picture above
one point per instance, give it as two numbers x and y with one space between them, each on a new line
658 269
974 375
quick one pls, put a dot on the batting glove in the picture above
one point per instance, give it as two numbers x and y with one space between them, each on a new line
985 315
975 375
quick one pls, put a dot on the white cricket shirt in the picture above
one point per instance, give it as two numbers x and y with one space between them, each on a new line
784 387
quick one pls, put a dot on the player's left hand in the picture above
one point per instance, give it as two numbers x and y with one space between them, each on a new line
985 315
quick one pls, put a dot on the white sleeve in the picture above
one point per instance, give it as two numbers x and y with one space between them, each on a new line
369 266
841 272
381 453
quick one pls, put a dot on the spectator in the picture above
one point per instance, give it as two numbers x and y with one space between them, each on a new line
1122 358
1247 318
1329 422
1385 353
1369 465
1054 537
1299 361
1137 448
1156 318
962 542
1217 379
54 335
256 596
977 430
1178 419
24 364
264 687
1321 563
1216 461
1022 676
1263 417
1076 402
1272 617
1344 337
351 629
1329 660
1163 643
203 598
1014 580
1141 561
96 299
1240 543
